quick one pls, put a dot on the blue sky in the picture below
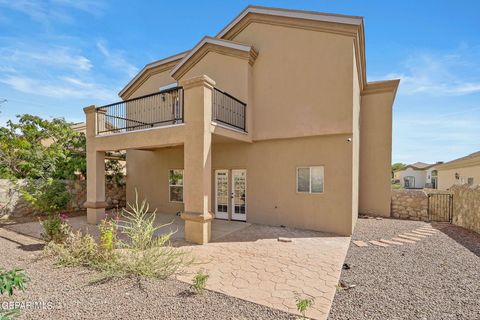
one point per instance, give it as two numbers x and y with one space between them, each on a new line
57 56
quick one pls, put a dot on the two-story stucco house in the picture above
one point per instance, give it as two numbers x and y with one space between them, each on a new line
271 121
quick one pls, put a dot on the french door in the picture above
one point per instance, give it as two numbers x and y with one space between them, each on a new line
239 195
231 200
221 194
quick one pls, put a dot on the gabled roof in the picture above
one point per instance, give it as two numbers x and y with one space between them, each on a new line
212 44
340 24
470 160
151 66
420 166
300 14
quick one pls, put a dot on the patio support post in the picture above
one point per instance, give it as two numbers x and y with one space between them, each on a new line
197 158
95 203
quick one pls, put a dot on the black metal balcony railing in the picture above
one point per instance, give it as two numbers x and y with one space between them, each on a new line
228 110
153 110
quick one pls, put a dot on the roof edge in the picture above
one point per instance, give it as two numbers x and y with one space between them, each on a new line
213 41
308 15
382 86
152 65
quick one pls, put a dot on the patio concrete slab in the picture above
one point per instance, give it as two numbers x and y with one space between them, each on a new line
252 264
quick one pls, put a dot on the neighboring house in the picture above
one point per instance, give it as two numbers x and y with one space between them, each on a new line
272 121
418 175
465 170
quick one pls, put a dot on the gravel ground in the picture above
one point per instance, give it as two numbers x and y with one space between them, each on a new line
72 297
436 278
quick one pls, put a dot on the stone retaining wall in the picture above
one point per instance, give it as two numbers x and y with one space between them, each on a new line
12 204
466 206
409 204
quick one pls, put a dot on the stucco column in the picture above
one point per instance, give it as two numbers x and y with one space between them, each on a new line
95 203
197 158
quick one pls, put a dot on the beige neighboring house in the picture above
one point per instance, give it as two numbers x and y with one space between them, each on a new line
272 121
465 170
418 175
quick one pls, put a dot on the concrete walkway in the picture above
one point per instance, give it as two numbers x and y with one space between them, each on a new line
249 262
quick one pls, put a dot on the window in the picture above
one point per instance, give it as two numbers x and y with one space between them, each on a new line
470 181
175 185
310 179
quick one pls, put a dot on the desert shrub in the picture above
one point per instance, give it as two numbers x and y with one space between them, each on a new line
146 254
108 234
143 254
303 304
78 250
55 228
46 195
199 281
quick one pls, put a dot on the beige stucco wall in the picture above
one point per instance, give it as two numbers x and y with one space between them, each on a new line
271 183
302 79
231 77
355 143
375 153
149 175
446 177
154 82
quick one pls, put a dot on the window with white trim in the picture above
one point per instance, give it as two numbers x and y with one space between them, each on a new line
175 185
310 179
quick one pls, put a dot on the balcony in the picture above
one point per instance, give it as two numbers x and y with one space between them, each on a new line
149 111
163 109
228 110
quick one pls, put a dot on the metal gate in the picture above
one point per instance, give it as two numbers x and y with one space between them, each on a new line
440 207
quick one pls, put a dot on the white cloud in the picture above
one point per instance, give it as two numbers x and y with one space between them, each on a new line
53 10
57 57
64 88
116 59
448 74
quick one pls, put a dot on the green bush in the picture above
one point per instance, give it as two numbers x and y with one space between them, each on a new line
55 228
46 195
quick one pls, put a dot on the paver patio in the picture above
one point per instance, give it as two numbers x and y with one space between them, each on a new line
248 262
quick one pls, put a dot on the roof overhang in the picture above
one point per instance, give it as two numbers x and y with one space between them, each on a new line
152 68
209 44
460 163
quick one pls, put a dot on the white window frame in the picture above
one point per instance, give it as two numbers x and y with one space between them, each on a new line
175 185
310 184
